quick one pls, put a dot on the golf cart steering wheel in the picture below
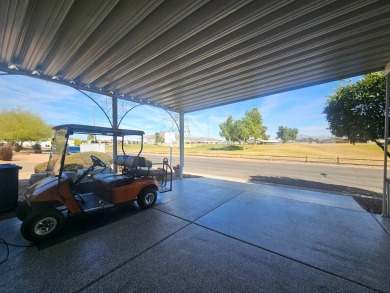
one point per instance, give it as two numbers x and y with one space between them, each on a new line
96 162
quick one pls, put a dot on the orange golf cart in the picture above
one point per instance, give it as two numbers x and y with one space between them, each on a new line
93 189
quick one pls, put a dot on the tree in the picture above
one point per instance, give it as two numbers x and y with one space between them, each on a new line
92 138
251 125
158 138
254 122
241 132
77 142
227 129
357 111
286 134
20 126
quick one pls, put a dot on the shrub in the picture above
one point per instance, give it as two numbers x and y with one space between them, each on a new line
37 148
18 147
78 161
84 159
6 153
74 162
40 168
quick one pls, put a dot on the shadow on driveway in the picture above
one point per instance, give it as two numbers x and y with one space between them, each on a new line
305 184
369 200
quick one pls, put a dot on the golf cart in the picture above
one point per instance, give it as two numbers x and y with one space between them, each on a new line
94 189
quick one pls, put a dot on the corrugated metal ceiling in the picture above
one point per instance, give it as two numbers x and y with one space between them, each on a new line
190 55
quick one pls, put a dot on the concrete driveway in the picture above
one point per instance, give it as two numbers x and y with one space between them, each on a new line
210 235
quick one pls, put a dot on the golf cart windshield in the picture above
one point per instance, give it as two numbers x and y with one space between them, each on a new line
59 143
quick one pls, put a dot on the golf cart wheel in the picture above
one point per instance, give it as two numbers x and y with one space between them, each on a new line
23 210
147 198
42 225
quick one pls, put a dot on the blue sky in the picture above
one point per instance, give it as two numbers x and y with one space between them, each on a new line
59 104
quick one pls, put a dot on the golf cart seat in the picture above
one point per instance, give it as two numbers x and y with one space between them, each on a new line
131 162
138 166
110 181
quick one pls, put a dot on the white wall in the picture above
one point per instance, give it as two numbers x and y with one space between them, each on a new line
93 147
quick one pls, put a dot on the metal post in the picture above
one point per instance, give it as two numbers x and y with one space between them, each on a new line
115 127
385 202
181 130
171 139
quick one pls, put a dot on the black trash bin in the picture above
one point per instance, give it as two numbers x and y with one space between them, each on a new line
9 184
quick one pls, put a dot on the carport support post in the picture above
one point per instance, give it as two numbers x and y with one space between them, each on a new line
115 127
181 118
385 202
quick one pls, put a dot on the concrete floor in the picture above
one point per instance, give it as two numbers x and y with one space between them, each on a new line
210 235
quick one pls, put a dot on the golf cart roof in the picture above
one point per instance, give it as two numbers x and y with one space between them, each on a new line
87 129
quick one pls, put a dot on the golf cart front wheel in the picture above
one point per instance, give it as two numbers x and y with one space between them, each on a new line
22 210
147 198
42 225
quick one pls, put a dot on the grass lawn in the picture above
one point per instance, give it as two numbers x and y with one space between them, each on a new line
366 154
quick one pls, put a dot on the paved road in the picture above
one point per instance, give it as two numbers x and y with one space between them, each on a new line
339 178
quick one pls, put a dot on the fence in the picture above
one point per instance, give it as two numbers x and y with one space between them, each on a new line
284 158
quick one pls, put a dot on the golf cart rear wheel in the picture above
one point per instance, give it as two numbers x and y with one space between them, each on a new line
42 225
23 210
147 198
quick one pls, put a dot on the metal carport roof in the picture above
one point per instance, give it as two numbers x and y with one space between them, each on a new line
190 55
